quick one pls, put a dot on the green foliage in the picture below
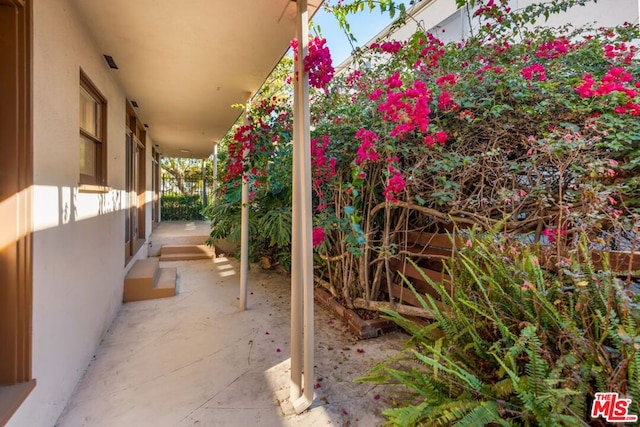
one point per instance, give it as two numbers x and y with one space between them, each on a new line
343 9
515 344
268 175
181 207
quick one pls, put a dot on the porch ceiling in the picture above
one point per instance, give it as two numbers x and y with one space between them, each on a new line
187 63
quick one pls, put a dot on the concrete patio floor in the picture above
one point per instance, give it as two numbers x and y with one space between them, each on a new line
195 359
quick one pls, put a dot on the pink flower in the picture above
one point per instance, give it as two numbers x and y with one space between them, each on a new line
446 79
366 151
318 236
445 101
375 95
408 109
535 70
441 137
395 185
586 88
391 46
551 234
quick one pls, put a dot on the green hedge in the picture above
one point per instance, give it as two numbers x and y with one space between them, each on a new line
181 207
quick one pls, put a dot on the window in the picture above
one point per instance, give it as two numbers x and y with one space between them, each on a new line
93 141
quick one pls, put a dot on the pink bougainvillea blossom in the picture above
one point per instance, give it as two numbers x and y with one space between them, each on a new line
367 150
628 108
446 102
429 141
407 108
392 46
447 79
395 185
323 168
585 89
430 55
554 49
616 79
441 137
620 51
551 234
242 140
318 236
317 62
534 71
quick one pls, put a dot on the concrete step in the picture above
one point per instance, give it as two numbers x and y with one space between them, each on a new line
146 280
167 280
186 252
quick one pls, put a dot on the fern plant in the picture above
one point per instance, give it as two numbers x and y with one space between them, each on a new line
516 344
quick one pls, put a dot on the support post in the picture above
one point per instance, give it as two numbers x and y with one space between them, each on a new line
244 230
215 172
302 309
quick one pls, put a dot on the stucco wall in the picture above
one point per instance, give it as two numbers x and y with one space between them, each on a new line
441 14
78 243
452 25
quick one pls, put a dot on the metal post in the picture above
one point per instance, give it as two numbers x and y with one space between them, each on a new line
215 172
295 388
302 309
244 232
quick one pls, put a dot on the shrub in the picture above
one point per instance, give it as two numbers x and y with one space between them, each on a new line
534 124
516 344
181 207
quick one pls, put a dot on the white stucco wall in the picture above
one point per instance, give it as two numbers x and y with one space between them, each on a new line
78 242
604 13
442 15
450 24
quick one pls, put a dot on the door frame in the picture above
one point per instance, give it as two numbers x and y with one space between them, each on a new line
16 180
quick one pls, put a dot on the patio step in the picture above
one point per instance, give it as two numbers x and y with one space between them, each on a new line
186 252
146 280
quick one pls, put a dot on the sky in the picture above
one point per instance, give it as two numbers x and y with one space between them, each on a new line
364 26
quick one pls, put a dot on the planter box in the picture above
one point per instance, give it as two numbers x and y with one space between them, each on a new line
364 329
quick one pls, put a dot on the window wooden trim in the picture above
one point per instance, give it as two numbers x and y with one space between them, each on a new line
100 140
16 161
136 140
96 189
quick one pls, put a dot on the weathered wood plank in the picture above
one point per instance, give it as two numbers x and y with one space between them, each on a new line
433 239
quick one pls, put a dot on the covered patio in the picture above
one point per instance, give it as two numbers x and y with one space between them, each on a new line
186 72
195 359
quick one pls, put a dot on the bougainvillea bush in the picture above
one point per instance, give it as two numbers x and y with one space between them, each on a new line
532 127
533 124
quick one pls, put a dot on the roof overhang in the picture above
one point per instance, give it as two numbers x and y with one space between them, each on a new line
186 64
